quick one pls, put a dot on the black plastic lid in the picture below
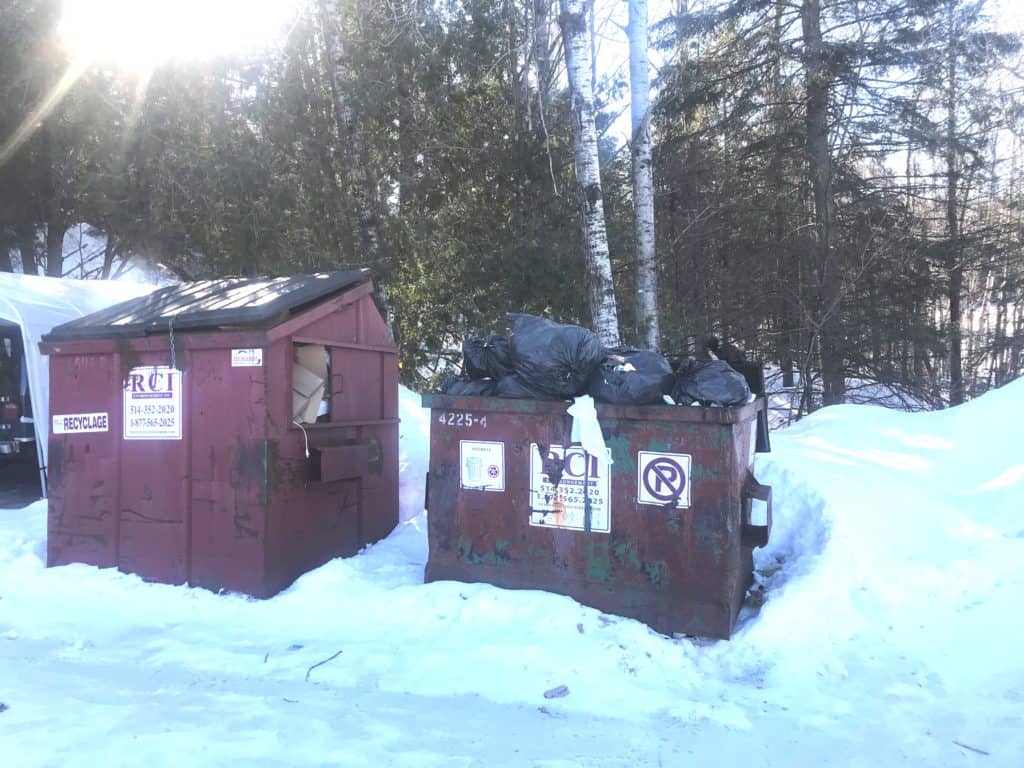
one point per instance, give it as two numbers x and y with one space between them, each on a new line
210 305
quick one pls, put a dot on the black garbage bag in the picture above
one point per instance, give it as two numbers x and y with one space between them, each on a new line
513 386
713 348
714 382
631 377
552 358
486 359
473 387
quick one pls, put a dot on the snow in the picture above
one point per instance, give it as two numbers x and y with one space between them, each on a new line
889 635
784 402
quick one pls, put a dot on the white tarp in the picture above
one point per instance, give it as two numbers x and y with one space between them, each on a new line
39 304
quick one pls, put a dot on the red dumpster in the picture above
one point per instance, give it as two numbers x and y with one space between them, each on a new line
230 434
664 534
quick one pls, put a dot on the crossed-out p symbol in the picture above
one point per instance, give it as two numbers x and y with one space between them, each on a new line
663 478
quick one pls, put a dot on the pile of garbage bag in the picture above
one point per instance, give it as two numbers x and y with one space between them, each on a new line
544 360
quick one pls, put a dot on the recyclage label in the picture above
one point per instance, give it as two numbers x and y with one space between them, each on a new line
152 404
246 358
74 423
482 465
580 500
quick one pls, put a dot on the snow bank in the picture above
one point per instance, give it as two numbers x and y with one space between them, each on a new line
889 634
414 450
893 566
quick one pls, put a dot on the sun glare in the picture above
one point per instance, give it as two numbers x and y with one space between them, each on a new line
137 35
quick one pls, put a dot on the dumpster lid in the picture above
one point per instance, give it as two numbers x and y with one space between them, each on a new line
210 305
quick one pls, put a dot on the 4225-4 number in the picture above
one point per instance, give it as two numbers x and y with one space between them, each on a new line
461 419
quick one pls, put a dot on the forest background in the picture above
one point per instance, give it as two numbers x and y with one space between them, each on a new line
837 185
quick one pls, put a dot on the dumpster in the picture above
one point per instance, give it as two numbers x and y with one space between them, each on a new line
230 434
663 534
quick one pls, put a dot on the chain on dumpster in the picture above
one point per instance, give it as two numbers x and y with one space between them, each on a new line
170 335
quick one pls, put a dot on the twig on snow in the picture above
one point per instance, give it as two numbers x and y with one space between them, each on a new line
557 692
321 663
973 749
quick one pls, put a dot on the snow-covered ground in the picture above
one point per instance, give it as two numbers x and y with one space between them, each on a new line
890 635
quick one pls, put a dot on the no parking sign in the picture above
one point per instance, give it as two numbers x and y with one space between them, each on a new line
663 479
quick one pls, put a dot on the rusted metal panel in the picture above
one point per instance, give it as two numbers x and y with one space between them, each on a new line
352 499
231 463
153 537
658 537
221 495
83 474
343 462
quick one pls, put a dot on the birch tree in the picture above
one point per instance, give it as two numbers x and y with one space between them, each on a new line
643 185
576 37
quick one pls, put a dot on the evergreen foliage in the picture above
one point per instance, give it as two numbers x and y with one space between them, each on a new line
432 143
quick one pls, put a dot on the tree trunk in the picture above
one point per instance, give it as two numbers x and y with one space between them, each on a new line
643 182
954 249
786 270
818 80
5 255
109 254
56 227
601 291
350 146
542 47
27 248
56 219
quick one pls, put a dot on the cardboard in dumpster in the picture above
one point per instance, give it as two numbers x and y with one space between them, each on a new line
312 357
309 381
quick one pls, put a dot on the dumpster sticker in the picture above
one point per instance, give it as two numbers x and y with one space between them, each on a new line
73 423
482 465
246 358
152 404
663 479
580 500
459 419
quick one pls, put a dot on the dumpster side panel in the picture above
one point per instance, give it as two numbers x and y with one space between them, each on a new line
154 509
344 494
82 477
676 566
689 554
231 468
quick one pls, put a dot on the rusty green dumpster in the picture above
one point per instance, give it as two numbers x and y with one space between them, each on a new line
663 534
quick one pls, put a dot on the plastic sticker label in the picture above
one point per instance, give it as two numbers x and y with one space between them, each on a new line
482 465
663 479
580 501
246 358
152 403
75 423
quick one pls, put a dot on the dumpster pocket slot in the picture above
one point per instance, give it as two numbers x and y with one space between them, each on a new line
757 513
338 462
